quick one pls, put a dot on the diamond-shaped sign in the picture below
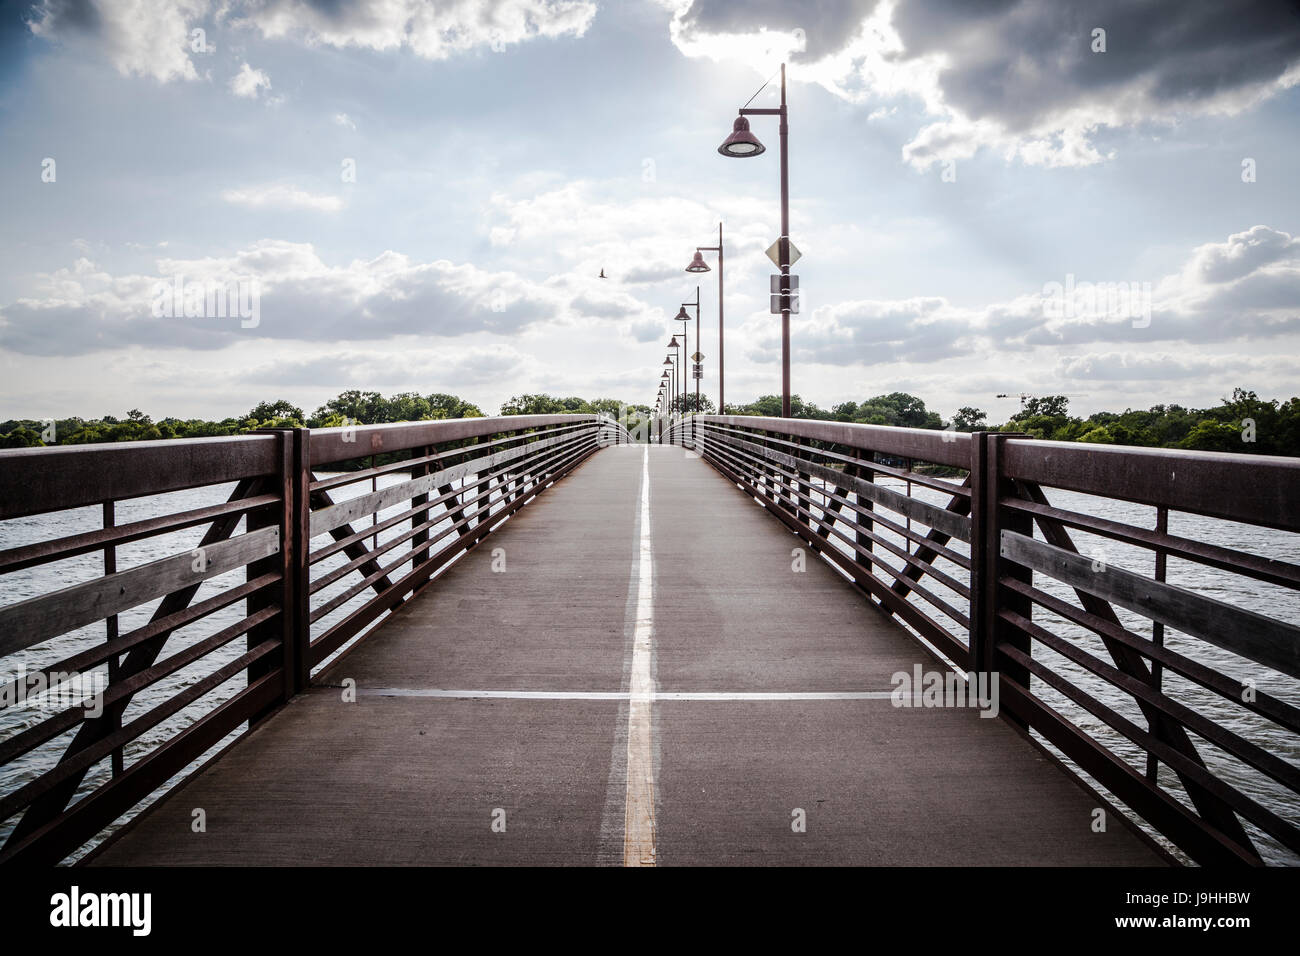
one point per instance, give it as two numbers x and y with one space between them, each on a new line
774 253
697 357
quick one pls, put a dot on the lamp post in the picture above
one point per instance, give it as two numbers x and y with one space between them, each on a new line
742 143
673 364
699 265
685 356
685 319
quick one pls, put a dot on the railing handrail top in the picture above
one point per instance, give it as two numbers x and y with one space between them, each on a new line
329 445
1185 454
113 447
516 422
925 444
779 424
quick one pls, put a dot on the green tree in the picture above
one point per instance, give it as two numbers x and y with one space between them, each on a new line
968 419
273 411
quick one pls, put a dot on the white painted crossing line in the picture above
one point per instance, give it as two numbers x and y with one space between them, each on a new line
720 696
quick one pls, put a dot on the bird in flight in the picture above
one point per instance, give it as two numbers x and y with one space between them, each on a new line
602 274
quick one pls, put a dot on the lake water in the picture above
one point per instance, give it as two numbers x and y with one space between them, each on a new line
1274 601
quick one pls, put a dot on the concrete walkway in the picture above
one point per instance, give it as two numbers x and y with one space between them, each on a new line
595 703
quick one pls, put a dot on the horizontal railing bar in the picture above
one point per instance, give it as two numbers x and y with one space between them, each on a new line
463 504
345 512
919 443
938 484
1265 819
57 549
330 445
341 544
932 516
37 619
1198 838
929 629
1232 743
54 840
38 480
877 517
347 478
341 632
1244 563
65 720
909 558
1262 703
1263 486
88 756
99 653
1261 639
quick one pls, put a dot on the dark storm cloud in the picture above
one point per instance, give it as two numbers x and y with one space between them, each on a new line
1020 62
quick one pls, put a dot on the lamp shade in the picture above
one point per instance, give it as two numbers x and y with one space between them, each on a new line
681 315
698 264
741 142
672 343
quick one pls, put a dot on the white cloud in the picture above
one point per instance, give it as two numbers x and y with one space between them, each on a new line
1242 289
344 120
86 308
433 30
248 82
154 37
279 196
145 37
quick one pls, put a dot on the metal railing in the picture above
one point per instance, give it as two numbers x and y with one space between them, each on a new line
1178 703
296 541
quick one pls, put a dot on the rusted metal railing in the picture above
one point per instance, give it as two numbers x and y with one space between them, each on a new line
969 540
135 569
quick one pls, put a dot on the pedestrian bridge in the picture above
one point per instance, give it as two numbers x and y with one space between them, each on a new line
532 640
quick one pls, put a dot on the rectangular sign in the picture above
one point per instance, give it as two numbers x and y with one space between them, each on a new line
794 304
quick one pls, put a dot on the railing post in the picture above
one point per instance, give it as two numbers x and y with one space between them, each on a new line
299 550
988 521
281 594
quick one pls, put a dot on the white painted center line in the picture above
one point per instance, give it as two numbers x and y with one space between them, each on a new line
639 805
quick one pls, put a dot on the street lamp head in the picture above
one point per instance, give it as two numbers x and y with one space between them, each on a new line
741 142
698 264
681 315
672 343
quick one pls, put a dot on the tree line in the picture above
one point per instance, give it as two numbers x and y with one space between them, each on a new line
1242 423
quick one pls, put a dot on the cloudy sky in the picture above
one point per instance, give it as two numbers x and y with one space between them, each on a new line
422 194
